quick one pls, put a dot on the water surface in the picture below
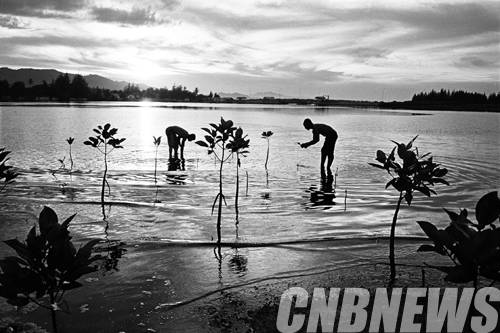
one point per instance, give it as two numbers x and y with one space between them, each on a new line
286 204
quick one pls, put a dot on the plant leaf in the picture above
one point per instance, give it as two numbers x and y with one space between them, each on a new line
488 209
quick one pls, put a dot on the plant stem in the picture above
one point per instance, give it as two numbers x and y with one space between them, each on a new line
70 161
105 172
237 186
219 214
156 161
246 192
392 239
53 313
267 155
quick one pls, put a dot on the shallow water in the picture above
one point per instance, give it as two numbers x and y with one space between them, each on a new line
286 205
288 222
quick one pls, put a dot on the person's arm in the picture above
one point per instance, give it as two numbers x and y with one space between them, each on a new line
313 141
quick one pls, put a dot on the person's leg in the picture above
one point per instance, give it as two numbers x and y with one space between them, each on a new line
171 143
323 158
176 148
328 149
329 162
182 143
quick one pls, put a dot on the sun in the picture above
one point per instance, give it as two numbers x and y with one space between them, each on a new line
143 71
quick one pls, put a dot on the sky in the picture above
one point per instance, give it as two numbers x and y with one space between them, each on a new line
364 50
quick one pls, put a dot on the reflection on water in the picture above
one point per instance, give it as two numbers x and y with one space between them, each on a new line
175 164
237 263
323 196
178 206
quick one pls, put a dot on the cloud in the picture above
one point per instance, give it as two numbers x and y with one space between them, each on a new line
136 16
478 61
170 4
54 41
11 22
40 8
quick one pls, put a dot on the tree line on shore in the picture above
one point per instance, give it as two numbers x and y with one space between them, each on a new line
64 89
458 100
459 96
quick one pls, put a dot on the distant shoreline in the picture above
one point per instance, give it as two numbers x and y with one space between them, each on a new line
406 105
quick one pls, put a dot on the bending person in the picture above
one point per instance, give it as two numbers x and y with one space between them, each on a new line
176 137
328 147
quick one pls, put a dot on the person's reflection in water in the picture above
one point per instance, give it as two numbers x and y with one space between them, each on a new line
176 165
326 193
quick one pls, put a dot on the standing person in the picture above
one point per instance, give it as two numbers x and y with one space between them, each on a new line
176 137
328 147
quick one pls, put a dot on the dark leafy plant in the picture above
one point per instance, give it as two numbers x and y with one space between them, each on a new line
105 142
47 264
267 135
238 145
411 172
474 248
7 175
216 143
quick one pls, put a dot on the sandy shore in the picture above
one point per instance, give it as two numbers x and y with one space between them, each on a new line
173 288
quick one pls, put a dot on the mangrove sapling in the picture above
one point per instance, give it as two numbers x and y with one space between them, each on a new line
47 264
238 145
70 142
7 175
267 135
156 142
474 248
216 143
105 142
417 173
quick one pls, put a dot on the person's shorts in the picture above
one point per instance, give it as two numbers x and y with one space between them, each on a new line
328 146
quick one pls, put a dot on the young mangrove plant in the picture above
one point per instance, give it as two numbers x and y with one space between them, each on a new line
7 175
216 142
156 142
267 135
474 248
70 142
105 142
47 264
238 145
416 173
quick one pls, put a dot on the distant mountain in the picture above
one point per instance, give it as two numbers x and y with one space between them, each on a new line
39 75
231 95
268 94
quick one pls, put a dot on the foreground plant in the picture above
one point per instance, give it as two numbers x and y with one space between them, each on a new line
412 173
7 175
238 145
267 135
474 248
105 142
216 143
47 265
